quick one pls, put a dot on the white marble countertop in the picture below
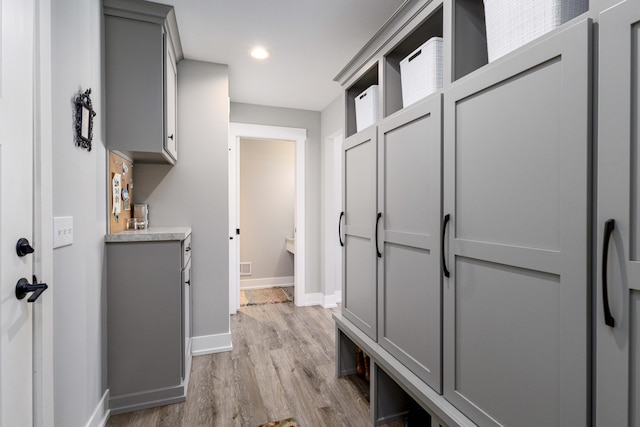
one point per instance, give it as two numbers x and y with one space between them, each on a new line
150 234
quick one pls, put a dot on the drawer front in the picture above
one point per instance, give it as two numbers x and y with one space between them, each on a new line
186 250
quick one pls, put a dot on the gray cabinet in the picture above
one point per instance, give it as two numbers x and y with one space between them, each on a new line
516 184
483 242
359 291
148 323
142 47
392 204
617 378
409 200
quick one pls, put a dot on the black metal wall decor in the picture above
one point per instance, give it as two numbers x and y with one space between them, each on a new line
84 120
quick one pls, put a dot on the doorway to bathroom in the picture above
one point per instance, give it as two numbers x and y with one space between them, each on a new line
266 212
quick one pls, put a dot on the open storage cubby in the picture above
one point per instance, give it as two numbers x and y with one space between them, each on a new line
469 37
390 402
370 77
430 27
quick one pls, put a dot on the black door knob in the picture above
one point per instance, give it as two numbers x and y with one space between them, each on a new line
23 247
23 287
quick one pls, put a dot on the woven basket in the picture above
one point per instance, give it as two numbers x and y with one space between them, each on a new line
421 71
513 23
367 108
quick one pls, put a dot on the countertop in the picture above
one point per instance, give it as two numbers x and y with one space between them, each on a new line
150 234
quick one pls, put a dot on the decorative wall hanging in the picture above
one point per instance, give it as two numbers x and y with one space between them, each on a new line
84 120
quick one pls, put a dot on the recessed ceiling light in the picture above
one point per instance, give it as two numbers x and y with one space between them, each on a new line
260 53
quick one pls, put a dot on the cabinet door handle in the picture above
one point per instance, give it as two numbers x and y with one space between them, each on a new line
340 228
376 236
445 270
171 137
188 249
609 226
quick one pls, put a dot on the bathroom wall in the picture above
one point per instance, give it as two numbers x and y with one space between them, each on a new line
303 119
267 205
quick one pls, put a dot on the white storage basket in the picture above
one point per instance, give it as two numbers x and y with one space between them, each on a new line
421 71
367 108
513 23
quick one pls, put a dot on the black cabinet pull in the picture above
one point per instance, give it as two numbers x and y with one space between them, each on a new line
171 137
340 228
445 270
609 226
376 236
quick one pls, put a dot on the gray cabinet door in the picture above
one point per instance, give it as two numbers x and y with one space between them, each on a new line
409 198
516 156
134 60
186 318
144 324
359 252
617 354
171 89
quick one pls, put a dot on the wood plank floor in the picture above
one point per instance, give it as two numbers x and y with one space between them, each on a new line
281 366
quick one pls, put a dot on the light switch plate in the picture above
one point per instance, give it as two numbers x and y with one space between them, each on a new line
62 231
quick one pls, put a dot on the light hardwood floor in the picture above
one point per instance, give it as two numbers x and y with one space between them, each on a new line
281 366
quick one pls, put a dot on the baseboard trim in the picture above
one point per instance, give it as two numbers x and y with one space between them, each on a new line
330 301
267 282
208 344
148 399
310 299
101 414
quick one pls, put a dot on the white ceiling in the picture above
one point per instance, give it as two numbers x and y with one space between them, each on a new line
310 42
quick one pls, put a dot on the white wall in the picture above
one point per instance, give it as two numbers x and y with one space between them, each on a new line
267 206
194 192
303 119
79 190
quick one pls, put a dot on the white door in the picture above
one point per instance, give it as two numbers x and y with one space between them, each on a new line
16 209
617 329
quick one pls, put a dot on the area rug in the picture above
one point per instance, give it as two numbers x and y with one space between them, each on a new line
263 296
289 422
289 291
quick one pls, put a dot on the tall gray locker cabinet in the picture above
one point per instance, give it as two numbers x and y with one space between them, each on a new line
359 154
409 201
618 245
516 185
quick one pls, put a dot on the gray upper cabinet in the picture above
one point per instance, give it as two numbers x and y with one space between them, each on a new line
142 47
618 198
409 199
516 184
359 292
